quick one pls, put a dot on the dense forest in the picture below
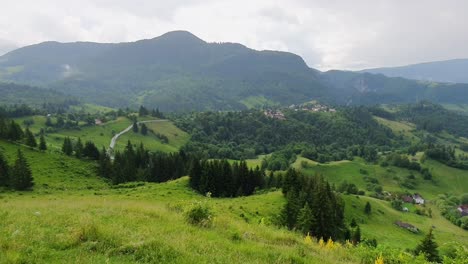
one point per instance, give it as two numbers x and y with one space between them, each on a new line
246 134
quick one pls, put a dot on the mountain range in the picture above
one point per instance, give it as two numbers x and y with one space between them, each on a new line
180 72
451 71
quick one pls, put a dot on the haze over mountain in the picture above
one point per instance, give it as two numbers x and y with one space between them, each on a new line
454 71
178 71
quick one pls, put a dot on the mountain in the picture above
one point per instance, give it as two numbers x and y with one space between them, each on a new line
181 72
15 94
453 71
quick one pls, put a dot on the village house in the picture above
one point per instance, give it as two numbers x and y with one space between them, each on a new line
463 209
418 199
407 199
97 122
274 114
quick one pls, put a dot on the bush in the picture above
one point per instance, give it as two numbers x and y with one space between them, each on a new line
200 215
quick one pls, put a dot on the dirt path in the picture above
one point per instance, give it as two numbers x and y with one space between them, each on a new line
114 139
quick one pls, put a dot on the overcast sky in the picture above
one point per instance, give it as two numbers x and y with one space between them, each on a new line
338 34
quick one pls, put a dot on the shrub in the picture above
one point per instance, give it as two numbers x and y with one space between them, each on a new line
199 214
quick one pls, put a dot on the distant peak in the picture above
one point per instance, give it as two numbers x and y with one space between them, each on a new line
180 35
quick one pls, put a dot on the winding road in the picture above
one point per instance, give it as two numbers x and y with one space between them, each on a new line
114 139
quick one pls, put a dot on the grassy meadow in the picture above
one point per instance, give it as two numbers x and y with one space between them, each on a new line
101 135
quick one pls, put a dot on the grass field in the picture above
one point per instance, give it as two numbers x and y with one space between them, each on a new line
101 135
74 216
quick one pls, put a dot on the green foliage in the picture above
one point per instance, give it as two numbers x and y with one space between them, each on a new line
42 143
242 135
428 248
312 194
4 171
67 147
368 209
144 129
30 139
21 178
221 179
199 214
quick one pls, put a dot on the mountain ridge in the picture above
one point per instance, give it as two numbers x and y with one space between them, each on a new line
178 71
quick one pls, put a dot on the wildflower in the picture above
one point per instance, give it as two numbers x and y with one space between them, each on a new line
379 260
308 239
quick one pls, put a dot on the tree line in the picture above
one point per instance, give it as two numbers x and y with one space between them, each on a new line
138 164
222 179
17 177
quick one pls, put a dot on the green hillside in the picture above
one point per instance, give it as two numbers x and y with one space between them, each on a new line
72 215
101 135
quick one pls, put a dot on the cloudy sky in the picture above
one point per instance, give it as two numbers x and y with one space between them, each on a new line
338 34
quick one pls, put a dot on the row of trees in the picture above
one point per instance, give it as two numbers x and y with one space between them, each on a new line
10 130
222 179
137 164
88 150
19 176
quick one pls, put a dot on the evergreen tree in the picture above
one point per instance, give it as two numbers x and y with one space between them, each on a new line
143 111
428 247
4 171
21 176
144 129
91 151
15 132
135 127
356 236
48 122
305 219
368 209
67 146
105 165
42 143
78 148
30 139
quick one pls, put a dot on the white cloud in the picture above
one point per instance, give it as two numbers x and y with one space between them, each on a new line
327 34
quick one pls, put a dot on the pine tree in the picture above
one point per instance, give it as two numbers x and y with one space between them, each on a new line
356 237
144 129
428 247
67 146
91 151
368 208
4 171
135 127
15 132
78 148
143 111
21 176
42 143
30 139
305 219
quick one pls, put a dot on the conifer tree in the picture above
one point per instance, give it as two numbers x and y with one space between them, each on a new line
15 132
135 127
305 219
30 139
356 237
91 151
143 111
78 148
42 143
67 146
368 208
105 165
4 171
144 129
21 176
428 247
